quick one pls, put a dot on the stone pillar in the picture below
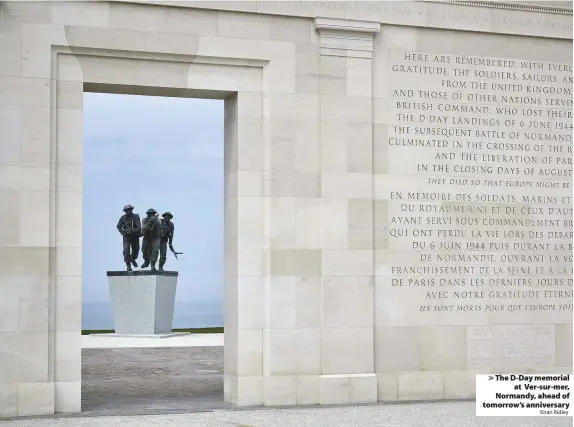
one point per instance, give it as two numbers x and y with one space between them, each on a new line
40 262
244 246
345 79
292 332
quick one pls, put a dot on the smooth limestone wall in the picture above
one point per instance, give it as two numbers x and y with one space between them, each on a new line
371 254
474 270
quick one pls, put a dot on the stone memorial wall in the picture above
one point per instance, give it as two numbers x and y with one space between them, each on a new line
398 188
489 235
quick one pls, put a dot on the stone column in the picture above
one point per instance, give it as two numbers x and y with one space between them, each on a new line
38 261
244 245
345 80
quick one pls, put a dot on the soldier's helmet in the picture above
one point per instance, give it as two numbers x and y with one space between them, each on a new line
151 211
128 207
167 214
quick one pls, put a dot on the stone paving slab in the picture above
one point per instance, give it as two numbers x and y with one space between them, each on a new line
113 380
114 341
443 414
184 386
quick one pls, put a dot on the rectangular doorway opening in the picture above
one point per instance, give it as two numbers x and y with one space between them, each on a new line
165 153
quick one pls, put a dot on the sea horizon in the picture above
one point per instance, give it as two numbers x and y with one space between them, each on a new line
187 314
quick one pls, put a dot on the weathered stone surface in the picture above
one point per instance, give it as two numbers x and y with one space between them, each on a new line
111 377
142 301
398 177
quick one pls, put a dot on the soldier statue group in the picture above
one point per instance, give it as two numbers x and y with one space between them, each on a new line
157 236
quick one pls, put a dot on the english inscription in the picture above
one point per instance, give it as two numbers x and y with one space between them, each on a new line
510 347
441 15
488 228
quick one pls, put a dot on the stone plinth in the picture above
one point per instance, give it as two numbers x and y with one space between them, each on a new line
142 301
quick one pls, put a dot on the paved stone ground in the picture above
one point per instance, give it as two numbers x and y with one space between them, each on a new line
460 414
188 340
184 386
139 380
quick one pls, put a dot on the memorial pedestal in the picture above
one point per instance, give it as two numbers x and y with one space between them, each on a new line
143 302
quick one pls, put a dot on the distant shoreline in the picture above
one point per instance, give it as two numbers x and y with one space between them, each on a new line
215 330
98 316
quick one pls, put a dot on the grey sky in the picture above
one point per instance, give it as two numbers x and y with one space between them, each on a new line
165 153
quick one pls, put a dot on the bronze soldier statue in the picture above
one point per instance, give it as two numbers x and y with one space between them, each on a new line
167 231
129 227
151 231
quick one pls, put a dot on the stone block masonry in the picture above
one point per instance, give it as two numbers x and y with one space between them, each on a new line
398 188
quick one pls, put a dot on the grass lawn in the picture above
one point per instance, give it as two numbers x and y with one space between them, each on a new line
217 330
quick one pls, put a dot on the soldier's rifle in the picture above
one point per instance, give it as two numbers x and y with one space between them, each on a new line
175 254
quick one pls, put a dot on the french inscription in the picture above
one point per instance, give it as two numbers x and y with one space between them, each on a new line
491 227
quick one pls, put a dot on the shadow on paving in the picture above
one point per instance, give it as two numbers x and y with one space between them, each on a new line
124 381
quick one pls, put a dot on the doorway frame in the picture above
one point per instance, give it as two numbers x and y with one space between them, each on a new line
241 84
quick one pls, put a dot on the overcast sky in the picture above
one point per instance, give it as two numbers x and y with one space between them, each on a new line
161 153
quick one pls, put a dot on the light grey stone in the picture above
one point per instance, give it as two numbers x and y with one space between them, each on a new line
397 349
347 350
421 386
319 176
10 235
461 384
67 356
22 260
359 147
387 387
8 400
347 263
35 399
363 388
564 344
21 91
72 13
443 348
455 414
250 302
295 262
308 389
347 301
280 390
11 47
9 313
33 316
249 353
294 351
143 304
510 346
27 12
250 391
154 336
335 389
293 30
67 397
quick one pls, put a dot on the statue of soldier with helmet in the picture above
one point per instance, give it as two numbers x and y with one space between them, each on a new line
129 227
167 232
151 232
157 236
